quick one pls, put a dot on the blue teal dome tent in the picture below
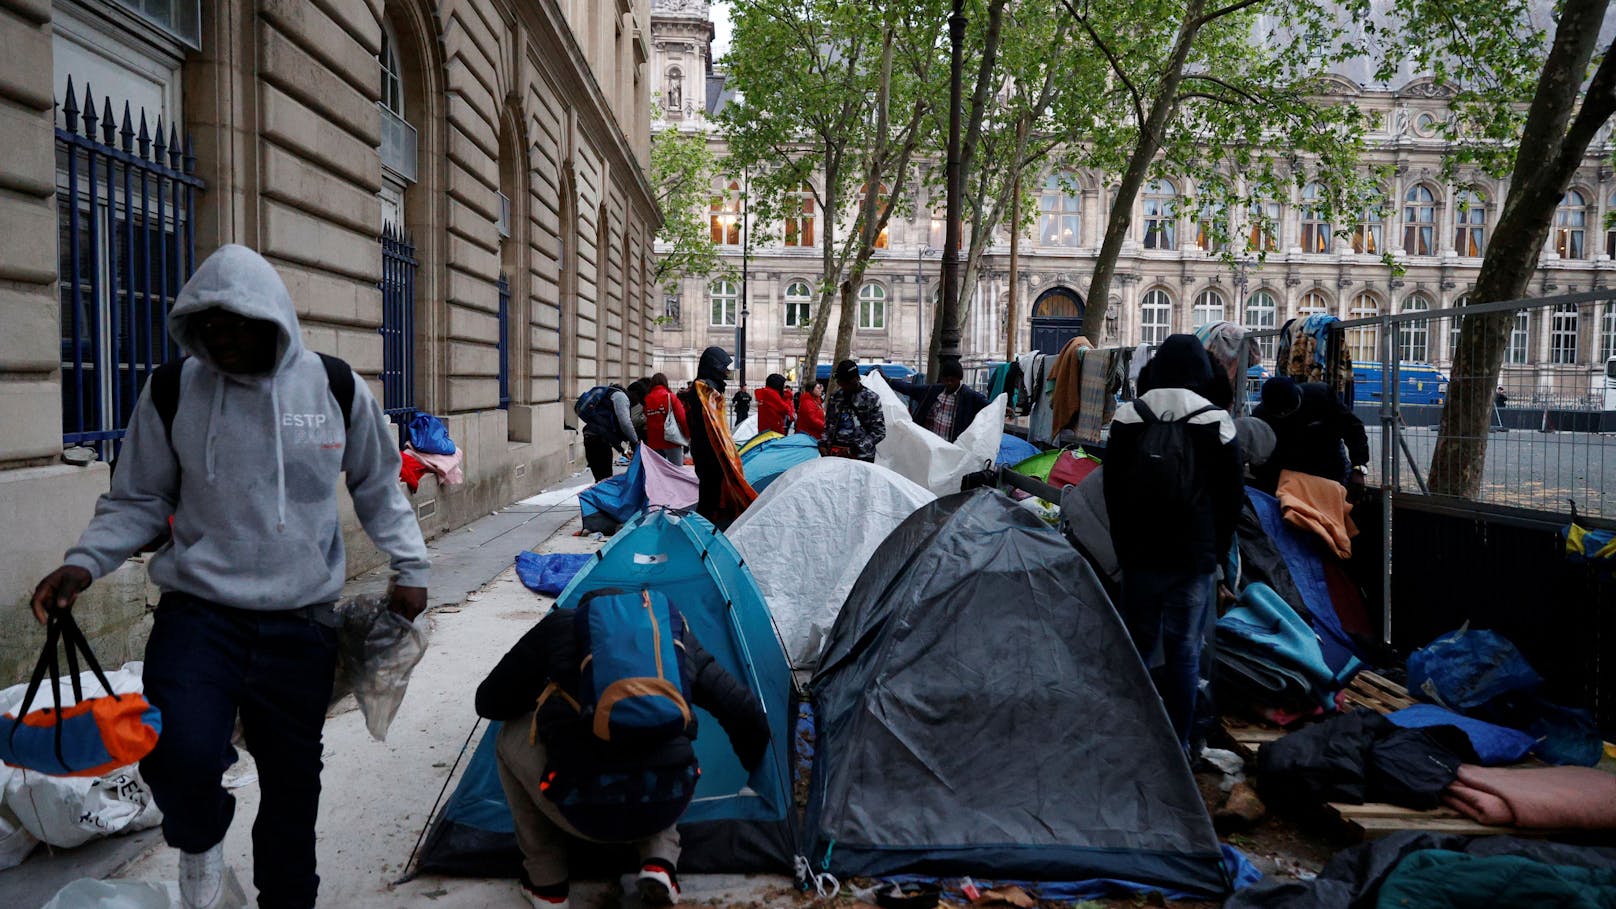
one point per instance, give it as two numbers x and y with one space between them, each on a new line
765 463
738 822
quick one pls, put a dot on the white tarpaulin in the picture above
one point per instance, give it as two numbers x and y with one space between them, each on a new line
923 456
68 811
745 430
807 537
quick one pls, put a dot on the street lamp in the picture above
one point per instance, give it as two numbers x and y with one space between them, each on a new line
746 263
950 336
920 305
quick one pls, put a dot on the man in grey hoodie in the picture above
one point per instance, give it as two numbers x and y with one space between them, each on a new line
248 472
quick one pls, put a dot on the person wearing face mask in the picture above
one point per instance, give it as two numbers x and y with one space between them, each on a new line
244 466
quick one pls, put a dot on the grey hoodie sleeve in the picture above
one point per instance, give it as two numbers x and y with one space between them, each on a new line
371 460
137 507
624 421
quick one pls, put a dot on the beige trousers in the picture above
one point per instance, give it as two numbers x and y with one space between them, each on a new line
541 831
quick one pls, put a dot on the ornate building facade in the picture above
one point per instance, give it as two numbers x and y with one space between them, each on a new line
1170 277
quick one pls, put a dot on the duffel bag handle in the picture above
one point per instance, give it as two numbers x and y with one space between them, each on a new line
60 628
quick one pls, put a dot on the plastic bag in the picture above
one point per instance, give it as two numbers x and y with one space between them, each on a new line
89 893
429 435
1466 669
377 649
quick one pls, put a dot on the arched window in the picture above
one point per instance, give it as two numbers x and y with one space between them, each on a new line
724 215
1369 234
872 306
1414 338
799 299
1161 220
1316 234
800 216
1208 308
1212 220
1263 218
882 203
1262 314
1419 221
1363 344
1470 213
1059 213
1155 317
725 303
1519 339
392 74
1313 303
1563 335
1571 226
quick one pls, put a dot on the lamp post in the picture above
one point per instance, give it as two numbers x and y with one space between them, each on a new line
950 336
920 305
746 262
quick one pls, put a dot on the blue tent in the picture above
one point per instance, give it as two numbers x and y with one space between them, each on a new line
765 463
738 822
1013 450
614 500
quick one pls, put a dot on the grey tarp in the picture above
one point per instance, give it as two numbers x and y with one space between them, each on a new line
980 710
1087 525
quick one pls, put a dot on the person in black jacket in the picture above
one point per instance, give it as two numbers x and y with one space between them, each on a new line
546 747
1173 491
1314 433
946 408
713 369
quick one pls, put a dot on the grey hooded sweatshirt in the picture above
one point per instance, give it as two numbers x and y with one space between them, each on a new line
251 475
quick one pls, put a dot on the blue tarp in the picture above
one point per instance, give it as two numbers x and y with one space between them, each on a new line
738 822
1495 745
1013 450
765 463
550 573
1307 571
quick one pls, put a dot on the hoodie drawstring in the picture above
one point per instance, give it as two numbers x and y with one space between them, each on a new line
213 424
280 457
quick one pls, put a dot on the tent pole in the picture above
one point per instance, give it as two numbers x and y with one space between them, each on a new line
409 866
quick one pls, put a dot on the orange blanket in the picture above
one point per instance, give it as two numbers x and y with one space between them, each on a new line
1540 798
1318 506
735 494
1068 376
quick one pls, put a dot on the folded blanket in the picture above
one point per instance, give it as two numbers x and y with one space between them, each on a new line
1320 506
446 467
1543 798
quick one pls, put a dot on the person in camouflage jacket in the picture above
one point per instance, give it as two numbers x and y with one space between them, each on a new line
854 424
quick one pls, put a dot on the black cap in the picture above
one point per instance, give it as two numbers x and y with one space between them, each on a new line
847 369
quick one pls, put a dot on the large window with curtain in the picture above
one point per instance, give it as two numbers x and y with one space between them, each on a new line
1161 218
1419 221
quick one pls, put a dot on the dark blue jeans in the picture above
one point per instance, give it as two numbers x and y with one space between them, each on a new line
204 664
1170 611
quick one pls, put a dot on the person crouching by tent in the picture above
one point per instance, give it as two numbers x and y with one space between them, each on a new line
563 780
724 492
659 402
811 411
1173 490
775 411
854 424
948 407
608 426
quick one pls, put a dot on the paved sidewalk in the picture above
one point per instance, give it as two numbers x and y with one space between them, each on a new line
378 794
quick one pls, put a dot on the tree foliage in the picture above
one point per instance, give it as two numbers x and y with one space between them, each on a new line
682 170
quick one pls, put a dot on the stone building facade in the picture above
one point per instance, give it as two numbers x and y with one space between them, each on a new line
1169 277
496 149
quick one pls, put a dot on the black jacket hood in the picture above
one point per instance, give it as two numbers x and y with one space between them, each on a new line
1181 362
714 364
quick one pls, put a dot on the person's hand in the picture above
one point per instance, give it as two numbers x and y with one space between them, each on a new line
59 589
1226 597
408 602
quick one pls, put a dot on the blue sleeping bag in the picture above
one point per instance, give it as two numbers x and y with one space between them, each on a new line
1307 571
1495 745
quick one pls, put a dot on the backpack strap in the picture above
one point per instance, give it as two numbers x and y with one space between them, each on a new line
339 375
1144 411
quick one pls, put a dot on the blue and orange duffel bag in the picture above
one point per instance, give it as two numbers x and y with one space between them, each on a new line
92 737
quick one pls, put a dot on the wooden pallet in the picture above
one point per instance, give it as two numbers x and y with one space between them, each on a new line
1373 692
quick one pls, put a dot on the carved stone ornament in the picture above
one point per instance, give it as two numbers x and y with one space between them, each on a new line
1427 89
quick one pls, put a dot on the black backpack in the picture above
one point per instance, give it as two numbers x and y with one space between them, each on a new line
165 389
1165 470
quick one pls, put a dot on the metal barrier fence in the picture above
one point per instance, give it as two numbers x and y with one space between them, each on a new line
125 197
504 342
398 323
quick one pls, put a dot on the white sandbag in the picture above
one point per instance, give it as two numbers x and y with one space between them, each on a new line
70 811
808 536
925 457
15 841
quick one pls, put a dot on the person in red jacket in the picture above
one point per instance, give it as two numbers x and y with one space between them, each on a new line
658 401
775 413
811 412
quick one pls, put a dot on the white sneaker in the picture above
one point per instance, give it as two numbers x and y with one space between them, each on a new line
544 902
658 885
202 878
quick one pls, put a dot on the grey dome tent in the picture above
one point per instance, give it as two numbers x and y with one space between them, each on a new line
980 710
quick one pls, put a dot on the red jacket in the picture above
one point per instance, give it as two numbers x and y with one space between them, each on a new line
811 416
657 402
774 410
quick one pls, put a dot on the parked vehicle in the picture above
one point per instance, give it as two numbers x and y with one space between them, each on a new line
1419 383
1606 387
891 370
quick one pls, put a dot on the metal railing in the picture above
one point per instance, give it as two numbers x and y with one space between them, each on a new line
125 197
504 342
398 323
